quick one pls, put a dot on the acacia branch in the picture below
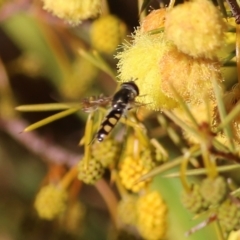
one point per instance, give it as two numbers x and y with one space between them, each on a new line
38 145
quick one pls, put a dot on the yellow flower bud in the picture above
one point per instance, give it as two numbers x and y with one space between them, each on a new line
196 28
107 33
130 172
152 216
73 11
50 202
91 173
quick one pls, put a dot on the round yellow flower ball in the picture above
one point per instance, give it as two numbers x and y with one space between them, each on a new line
196 28
140 61
51 201
73 11
190 77
106 33
152 216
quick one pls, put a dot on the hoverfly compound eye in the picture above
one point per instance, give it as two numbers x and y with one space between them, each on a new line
132 87
121 102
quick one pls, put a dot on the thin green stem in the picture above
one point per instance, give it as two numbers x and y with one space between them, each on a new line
229 118
222 112
218 230
51 119
46 107
202 171
211 170
194 152
185 107
182 124
88 138
183 170
222 8
95 58
171 131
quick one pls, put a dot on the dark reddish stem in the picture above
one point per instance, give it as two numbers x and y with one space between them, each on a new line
235 10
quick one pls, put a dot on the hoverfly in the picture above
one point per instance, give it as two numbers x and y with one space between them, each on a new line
122 101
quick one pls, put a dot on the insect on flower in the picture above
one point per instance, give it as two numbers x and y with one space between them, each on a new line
122 101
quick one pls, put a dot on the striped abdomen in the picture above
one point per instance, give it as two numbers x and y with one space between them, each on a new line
108 124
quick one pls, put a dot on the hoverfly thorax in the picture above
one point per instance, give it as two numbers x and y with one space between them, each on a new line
125 96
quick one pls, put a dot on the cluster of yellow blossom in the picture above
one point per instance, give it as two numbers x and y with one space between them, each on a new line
173 51
131 170
152 216
107 32
148 213
196 28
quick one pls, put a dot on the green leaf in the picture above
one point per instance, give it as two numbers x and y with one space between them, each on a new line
229 118
201 171
51 119
46 107
96 59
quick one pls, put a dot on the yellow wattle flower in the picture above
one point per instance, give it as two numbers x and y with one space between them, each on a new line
190 77
152 216
196 28
140 61
50 202
73 11
106 33
158 67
